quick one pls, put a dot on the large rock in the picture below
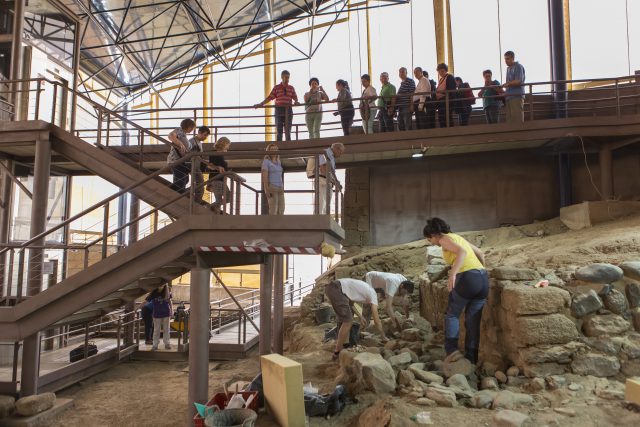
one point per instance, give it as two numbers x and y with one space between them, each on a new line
633 294
631 368
595 364
586 303
442 396
631 269
509 400
489 383
542 370
549 353
433 252
631 347
514 273
366 371
546 329
428 377
483 399
436 272
461 366
605 344
525 300
614 300
378 414
32 405
599 273
604 325
434 298
635 318
508 418
7 406
405 377
412 334
400 361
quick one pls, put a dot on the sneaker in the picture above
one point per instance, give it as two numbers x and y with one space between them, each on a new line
154 348
167 346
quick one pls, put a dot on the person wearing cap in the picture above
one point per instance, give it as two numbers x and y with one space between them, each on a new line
391 285
342 294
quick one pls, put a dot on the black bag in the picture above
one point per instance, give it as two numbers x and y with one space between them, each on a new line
323 405
78 352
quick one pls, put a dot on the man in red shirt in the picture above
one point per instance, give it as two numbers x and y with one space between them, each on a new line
284 95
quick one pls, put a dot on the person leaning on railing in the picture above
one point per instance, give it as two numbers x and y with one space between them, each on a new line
514 85
272 180
423 91
444 90
491 95
386 104
331 154
179 147
464 100
430 102
313 107
196 146
405 99
218 165
345 106
368 109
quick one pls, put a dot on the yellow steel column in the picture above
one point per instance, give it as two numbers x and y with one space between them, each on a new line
207 96
438 20
567 39
153 122
449 40
269 81
369 70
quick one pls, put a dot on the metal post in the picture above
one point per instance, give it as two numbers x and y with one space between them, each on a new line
531 102
6 194
37 106
557 49
618 112
266 283
77 40
316 186
199 341
53 103
446 107
129 330
564 176
16 55
105 230
278 305
31 349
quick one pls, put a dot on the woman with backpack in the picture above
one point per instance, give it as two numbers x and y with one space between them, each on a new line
345 106
162 311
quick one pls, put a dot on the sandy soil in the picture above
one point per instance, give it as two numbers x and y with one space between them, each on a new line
155 393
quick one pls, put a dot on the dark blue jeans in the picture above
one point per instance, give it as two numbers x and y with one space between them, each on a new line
147 312
180 178
470 294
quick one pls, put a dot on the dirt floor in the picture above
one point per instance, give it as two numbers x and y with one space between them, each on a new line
155 393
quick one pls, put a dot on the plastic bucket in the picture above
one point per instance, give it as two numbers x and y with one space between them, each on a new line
231 418
323 315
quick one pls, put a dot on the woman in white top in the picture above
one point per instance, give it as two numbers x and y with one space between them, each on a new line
313 107
368 109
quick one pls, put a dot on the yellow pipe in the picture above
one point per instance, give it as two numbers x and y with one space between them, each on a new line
567 39
449 40
206 89
269 81
438 20
369 68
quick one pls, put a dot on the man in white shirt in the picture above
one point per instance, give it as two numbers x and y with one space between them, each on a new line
392 285
419 105
328 177
342 293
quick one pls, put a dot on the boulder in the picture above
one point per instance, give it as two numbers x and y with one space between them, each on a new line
595 364
549 353
514 273
545 329
433 252
489 383
405 377
7 406
424 401
378 414
631 368
605 344
554 382
614 300
501 377
513 371
508 418
543 369
458 380
604 325
586 303
412 334
631 269
461 366
569 412
400 361
426 376
525 300
633 294
32 405
436 272
483 399
599 273
609 394
422 323
441 395
535 385
434 298
412 354
631 347
635 318
366 371
509 400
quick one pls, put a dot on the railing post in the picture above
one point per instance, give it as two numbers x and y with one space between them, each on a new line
618 110
37 106
531 102
231 195
20 275
10 276
86 257
137 326
316 184
53 104
86 340
140 144
118 328
238 189
105 231
192 187
99 135
446 107
108 128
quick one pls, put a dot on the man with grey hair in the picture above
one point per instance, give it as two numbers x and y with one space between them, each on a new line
405 99
327 174
386 104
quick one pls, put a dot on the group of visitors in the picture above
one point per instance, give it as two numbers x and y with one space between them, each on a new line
423 98
468 286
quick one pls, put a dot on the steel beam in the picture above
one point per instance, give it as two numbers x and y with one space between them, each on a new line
558 56
16 54
266 284
198 340
6 194
278 305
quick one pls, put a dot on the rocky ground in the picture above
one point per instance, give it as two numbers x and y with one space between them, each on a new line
564 366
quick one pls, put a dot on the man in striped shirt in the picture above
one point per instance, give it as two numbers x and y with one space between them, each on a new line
404 100
284 95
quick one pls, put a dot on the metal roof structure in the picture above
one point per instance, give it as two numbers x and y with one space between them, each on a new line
128 45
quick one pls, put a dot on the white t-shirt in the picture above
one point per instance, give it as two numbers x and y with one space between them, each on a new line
358 291
370 91
389 282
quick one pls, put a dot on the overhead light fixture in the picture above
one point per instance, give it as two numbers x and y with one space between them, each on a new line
417 155
419 152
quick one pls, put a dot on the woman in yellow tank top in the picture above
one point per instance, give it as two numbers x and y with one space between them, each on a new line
468 286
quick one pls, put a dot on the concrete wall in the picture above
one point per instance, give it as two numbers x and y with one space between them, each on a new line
475 191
